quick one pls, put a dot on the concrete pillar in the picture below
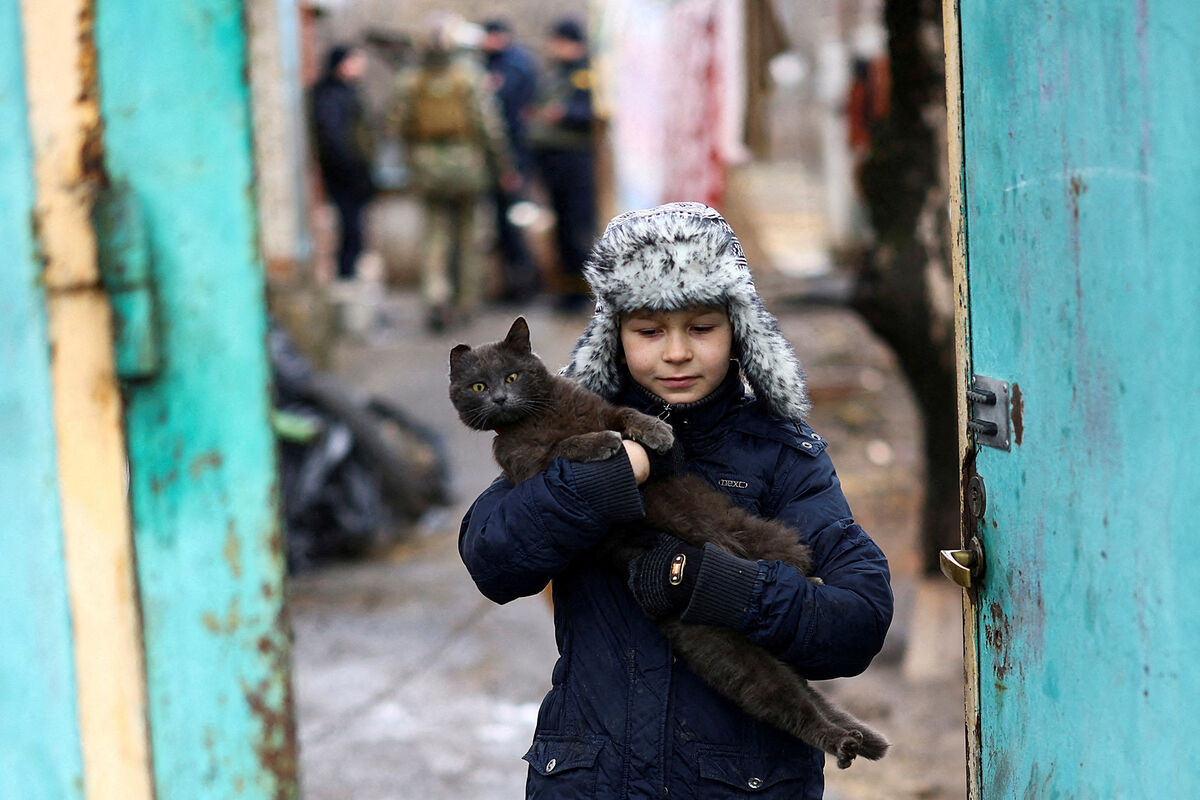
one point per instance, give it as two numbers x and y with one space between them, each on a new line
280 142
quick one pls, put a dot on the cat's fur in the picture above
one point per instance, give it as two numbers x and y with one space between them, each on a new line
505 387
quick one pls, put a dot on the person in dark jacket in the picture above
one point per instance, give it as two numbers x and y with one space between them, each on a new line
344 149
512 74
678 325
560 136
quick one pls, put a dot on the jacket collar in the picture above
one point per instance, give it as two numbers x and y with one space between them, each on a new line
697 425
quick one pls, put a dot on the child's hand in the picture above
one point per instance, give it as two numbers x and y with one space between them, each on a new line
638 460
663 578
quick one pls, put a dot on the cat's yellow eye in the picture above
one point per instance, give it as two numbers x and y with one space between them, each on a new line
479 387
512 377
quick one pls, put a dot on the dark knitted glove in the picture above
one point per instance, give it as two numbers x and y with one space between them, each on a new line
665 465
663 578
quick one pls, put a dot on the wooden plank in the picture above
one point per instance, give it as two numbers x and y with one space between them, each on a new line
39 734
202 473
63 121
1082 136
962 348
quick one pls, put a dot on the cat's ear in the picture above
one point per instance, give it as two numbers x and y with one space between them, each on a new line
456 355
518 336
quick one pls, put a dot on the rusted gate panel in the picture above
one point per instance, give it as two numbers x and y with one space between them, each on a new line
134 413
177 132
1081 183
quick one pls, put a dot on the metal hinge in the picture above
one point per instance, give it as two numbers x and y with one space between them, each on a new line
125 271
988 416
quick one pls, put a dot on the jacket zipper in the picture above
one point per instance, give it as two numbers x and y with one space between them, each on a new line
668 728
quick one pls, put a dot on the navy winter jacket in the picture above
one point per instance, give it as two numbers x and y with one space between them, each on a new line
517 71
623 719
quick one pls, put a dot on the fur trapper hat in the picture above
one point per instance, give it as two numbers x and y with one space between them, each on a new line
676 256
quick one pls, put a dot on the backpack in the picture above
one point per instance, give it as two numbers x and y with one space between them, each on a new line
441 107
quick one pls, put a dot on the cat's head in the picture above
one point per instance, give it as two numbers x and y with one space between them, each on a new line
498 384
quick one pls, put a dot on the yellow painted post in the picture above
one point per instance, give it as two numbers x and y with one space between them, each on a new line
962 349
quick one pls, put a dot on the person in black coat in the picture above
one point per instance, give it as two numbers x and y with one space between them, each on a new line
343 146
560 136
512 74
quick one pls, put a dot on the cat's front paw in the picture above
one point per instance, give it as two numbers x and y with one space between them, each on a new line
654 434
594 446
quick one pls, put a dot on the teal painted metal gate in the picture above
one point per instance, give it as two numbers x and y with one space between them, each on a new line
175 105
39 741
1080 215
132 293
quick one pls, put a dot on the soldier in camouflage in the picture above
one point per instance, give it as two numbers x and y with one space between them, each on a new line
457 152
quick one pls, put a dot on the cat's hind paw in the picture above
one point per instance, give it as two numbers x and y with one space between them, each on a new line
848 747
873 746
866 743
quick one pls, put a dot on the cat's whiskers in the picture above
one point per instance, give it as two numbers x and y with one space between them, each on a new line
477 418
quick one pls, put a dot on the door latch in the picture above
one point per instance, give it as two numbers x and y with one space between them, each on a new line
964 567
988 416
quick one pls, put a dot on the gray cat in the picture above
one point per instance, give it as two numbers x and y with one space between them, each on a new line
538 416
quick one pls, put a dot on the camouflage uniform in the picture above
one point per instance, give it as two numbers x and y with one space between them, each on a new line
450 172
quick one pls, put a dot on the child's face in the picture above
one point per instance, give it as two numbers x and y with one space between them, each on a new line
680 356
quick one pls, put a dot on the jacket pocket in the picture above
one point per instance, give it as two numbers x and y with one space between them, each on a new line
563 767
727 775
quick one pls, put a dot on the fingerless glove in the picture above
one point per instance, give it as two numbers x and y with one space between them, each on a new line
703 585
663 578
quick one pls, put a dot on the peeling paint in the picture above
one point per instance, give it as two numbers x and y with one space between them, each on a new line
997 635
270 702
224 627
39 249
1018 413
159 484
209 460
91 151
233 549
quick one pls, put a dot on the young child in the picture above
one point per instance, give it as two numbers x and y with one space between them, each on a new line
678 322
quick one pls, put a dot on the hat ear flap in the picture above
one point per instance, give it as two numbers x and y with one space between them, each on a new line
768 362
595 360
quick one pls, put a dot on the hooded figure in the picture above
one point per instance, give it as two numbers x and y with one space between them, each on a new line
676 256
